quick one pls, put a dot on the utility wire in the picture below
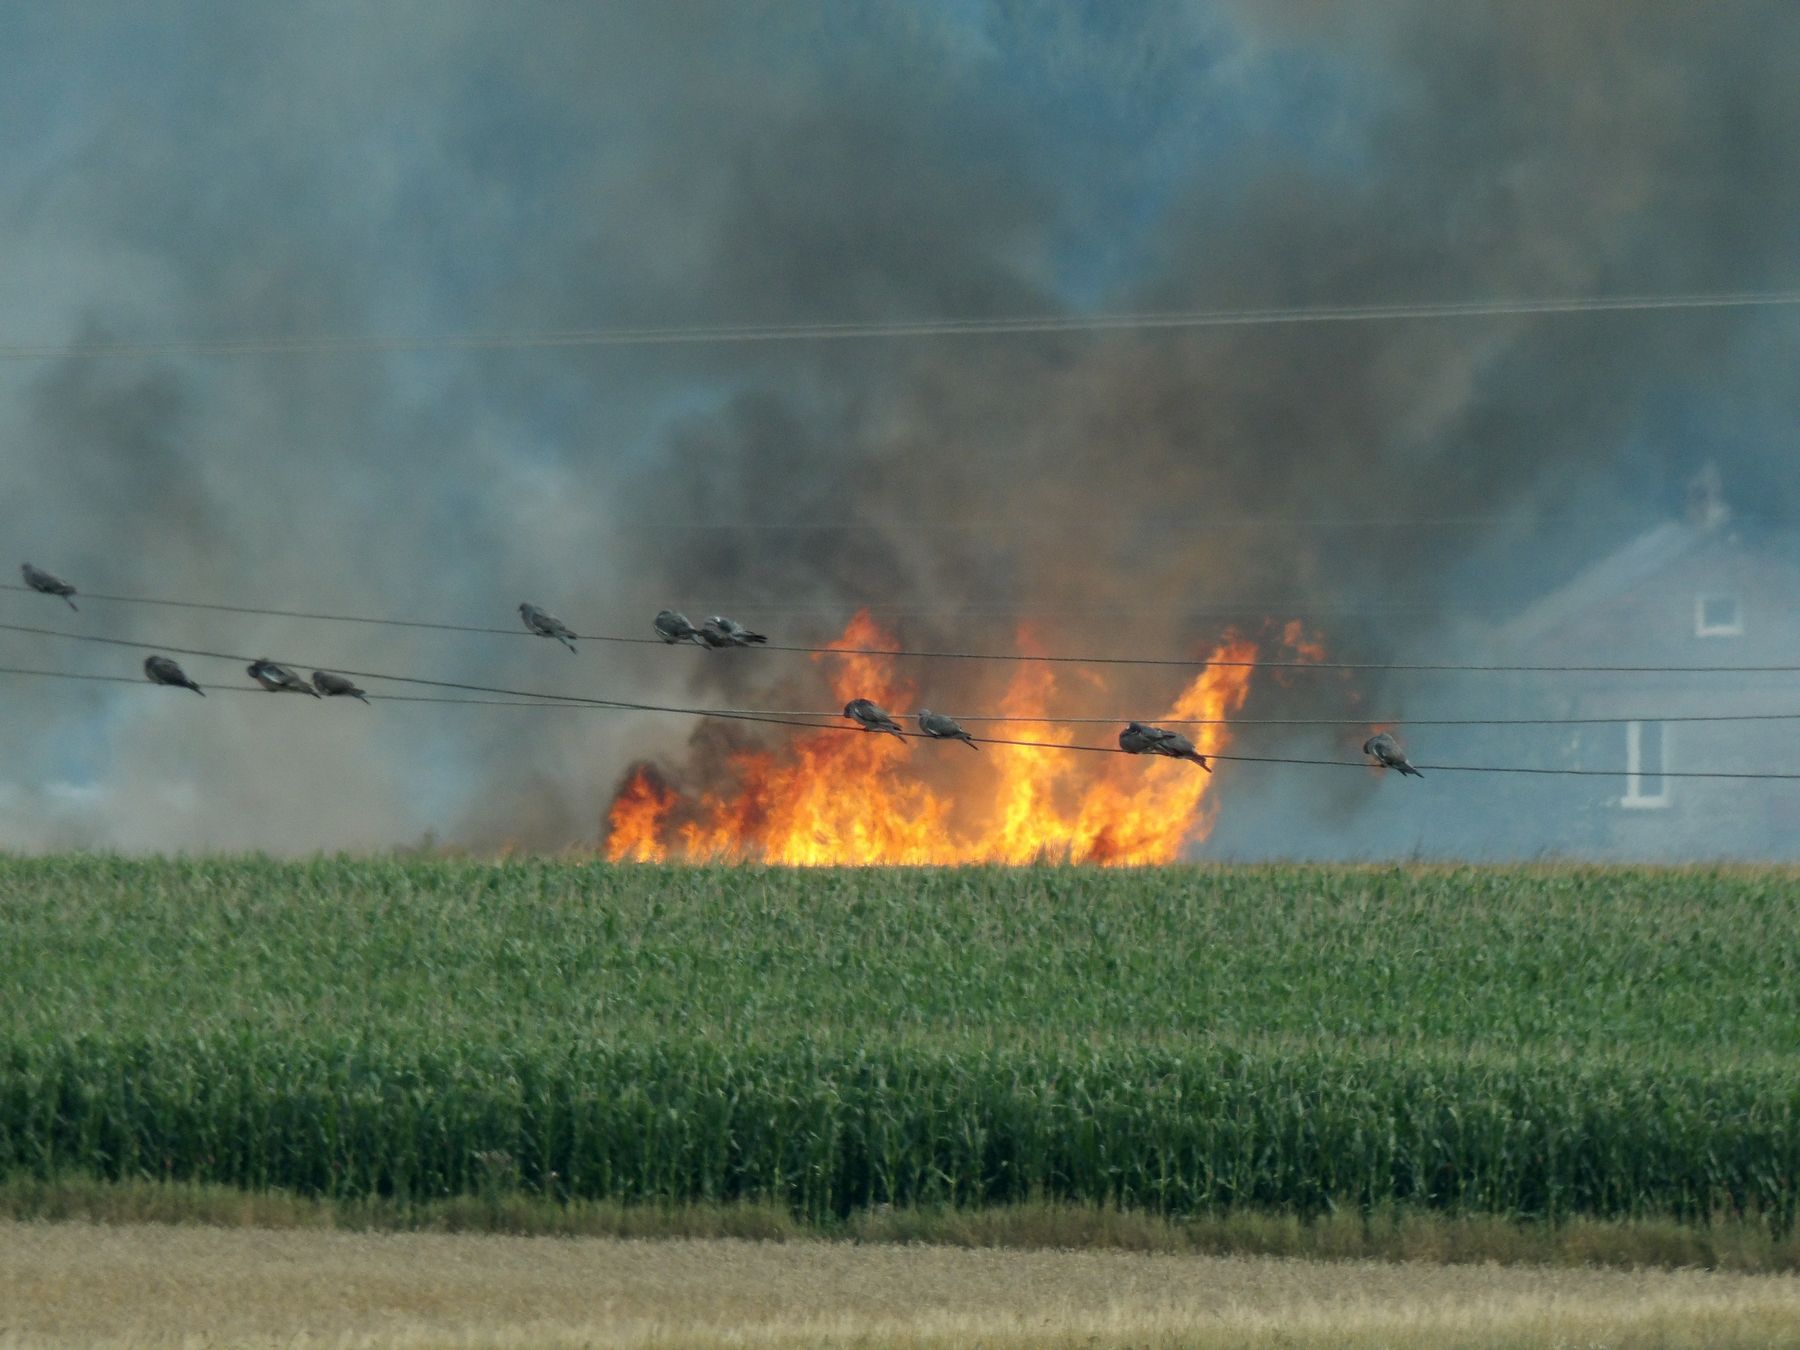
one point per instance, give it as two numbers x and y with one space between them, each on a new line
528 700
652 336
554 700
1184 663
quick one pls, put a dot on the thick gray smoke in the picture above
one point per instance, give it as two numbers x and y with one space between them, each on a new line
437 168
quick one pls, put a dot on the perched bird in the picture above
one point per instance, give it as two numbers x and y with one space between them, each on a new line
336 686
162 670
941 728
547 625
47 582
1137 739
739 635
278 679
871 717
714 637
673 627
1176 746
1387 753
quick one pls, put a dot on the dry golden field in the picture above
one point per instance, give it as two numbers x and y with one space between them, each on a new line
97 1285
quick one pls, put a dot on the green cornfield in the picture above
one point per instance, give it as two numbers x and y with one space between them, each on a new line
1533 1042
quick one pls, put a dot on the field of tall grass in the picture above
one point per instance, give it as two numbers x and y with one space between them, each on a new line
1534 1042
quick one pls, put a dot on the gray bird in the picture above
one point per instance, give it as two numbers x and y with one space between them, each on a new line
1387 753
714 636
941 728
1137 739
673 627
1176 746
739 635
278 679
336 686
871 717
47 582
161 670
547 625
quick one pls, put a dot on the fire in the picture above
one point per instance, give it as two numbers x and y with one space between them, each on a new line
839 797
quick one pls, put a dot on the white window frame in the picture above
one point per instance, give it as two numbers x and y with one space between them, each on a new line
1703 629
1634 798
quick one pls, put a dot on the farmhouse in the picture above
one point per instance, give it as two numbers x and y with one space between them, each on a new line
1702 591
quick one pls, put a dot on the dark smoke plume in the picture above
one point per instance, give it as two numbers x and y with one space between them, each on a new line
448 167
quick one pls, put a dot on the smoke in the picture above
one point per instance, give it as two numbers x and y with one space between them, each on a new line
213 171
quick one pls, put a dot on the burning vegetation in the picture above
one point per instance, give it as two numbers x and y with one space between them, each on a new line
837 797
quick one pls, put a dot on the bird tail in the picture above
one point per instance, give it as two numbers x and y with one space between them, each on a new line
360 697
1406 768
896 730
1199 759
196 688
969 741
314 692
73 605
754 637
565 642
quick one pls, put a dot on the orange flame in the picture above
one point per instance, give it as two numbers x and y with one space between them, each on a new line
636 818
835 797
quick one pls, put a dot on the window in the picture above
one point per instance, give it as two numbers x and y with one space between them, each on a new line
1646 755
1717 616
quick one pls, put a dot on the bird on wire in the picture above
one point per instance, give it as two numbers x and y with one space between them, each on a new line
1176 746
673 627
942 728
162 670
547 625
278 679
739 635
1140 738
871 717
336 686
714 636
47 582
1387 753
1137 739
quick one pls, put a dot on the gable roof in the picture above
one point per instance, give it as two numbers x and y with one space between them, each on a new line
1614 574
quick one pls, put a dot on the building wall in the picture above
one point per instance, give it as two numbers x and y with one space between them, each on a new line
1653 622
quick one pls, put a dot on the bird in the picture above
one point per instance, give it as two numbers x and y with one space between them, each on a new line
740 636
278 679
714 636
162 670
48 582
336 686
673 627
871 717
547 625
1388 754
1137 739
1176 746
941 728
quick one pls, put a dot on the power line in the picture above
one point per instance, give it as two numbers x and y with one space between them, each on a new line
530 700
778 719
662 336
1184 663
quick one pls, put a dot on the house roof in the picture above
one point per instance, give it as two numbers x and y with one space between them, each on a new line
1614 574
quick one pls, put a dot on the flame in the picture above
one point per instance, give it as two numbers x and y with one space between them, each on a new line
832 797
1304 646
637 816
